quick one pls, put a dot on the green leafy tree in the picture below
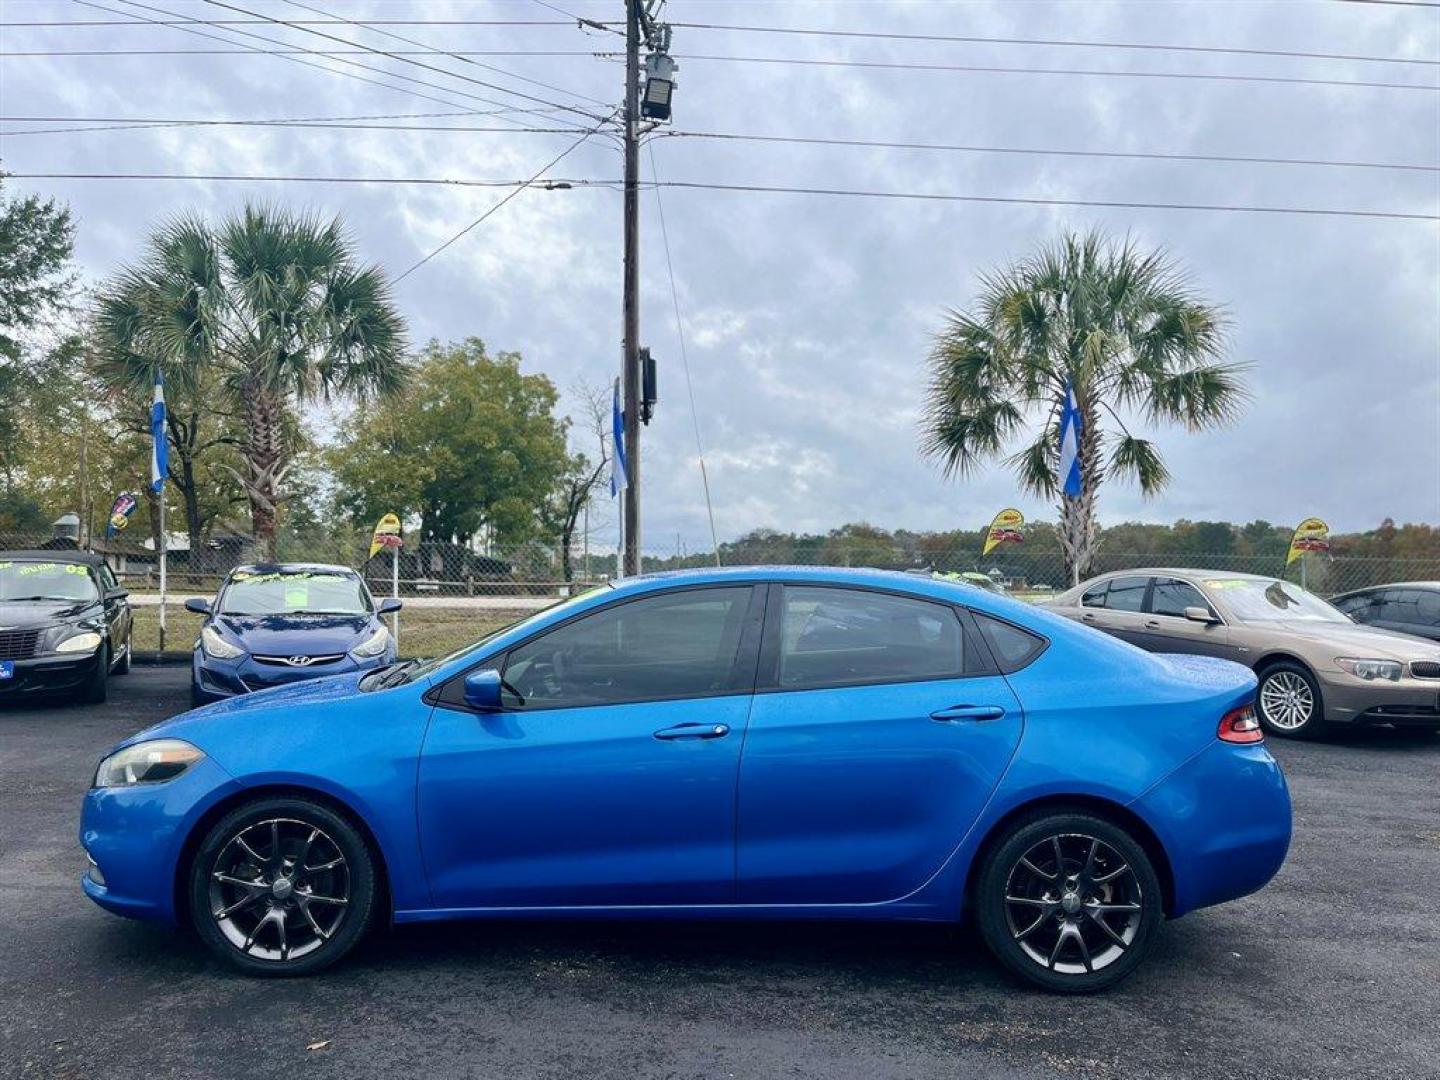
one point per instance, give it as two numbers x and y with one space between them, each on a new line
279 307
1123 326
472 444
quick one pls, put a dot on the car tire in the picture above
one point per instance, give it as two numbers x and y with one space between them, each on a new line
96 685
260 902
123 667
1288 701
1067 901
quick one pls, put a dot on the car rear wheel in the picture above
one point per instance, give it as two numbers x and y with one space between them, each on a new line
1288 702
1068 901
282 886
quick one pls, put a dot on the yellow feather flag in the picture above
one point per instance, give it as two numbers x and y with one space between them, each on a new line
1312 534
387 534
1005 529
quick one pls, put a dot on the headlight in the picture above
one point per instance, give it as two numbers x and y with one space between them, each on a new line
373 645
87 642
151 762
217 647
1370 669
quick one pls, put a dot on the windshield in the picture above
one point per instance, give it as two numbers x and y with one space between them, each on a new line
46 581
1259 600
294 592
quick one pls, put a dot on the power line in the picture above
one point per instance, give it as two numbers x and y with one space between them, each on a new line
988 69
182 21
359 123
580 20
406 60
533 179
970 39
587 182
458 56
1229 159
297 51
684 356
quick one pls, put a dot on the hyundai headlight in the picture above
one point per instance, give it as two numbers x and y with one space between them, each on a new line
216 647
1370 669
373 645
88 641
151 762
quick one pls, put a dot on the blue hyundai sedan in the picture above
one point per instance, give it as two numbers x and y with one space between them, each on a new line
278 623
749 743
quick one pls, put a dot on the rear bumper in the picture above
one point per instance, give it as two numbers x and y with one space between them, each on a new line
1224 819
1356 701
48 673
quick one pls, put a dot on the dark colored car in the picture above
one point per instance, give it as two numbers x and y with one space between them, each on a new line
277 623
1407 607
65 624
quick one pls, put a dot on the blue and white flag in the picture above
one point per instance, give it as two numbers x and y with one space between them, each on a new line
1070 428
159 448
619 476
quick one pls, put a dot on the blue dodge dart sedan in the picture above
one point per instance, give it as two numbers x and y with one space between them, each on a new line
279 623
748 743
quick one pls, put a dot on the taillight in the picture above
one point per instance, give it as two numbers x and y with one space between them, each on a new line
1240 726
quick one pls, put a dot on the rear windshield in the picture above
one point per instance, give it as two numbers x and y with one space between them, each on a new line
294 592
23 580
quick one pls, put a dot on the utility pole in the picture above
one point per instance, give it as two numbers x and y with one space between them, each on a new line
630 362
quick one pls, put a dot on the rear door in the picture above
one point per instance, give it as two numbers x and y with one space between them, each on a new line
1124 612
878 731
1167 629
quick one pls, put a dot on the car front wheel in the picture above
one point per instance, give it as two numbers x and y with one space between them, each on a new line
1289 703
282 886
1068 901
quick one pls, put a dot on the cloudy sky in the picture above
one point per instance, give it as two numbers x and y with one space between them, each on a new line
808 317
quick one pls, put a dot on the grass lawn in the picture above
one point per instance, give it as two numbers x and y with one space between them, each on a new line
423 631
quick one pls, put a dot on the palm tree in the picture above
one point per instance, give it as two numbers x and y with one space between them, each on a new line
1123 327
274 303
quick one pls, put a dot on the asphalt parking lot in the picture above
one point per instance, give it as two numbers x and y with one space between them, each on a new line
1333 971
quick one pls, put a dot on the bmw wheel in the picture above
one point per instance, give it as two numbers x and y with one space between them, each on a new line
282 887
1068 901
1289 703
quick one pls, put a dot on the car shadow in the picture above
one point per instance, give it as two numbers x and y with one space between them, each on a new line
1383 738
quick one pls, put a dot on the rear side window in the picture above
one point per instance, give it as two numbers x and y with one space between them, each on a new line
1171 597
1012 647
849 637
672 646
1126 594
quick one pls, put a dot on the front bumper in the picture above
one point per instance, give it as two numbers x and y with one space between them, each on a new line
1224 820
215 680
1409 701
134 837
46 674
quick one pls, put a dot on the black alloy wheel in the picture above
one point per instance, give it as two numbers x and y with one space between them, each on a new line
1068 901
282 887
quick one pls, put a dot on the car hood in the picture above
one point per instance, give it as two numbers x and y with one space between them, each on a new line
1364 642
295 635
23 616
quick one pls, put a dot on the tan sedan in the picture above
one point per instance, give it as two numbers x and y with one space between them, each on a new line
1316 667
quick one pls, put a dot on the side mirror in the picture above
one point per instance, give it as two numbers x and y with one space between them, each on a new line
387 606
1200 614
117 594
482 690
198 606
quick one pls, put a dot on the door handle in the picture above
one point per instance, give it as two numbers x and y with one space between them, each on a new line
1151 624
1088 617
968 712
694 731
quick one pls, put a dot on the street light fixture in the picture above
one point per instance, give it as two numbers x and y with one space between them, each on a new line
659 86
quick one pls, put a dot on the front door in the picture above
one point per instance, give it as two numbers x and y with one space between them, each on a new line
1167 629
610 779
878 733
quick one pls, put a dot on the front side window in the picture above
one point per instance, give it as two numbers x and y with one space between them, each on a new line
673 646
294 592
843 637
1126 594
1095 597
1359 606
23 580
1171 597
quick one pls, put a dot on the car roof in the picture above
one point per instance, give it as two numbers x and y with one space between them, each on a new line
79 558
1182 571
1427 586
293 568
